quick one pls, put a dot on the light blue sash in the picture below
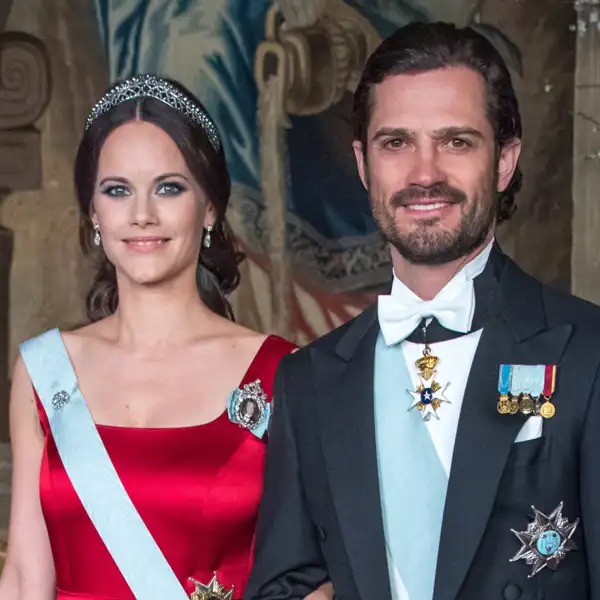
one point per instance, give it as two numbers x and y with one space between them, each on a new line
93 475
412 480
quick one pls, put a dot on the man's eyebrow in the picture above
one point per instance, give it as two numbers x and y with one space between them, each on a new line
392 132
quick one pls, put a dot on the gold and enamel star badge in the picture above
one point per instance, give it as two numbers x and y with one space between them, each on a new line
429 395
213 591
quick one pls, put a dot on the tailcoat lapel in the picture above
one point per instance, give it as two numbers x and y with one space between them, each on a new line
344 378
515 333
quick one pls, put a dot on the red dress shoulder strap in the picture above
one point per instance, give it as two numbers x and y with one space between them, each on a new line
265 362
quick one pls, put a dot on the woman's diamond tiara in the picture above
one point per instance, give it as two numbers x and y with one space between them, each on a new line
150 86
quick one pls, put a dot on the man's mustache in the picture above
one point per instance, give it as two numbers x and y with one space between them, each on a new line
440 191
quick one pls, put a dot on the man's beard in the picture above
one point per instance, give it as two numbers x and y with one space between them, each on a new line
426 244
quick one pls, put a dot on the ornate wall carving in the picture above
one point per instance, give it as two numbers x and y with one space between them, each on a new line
24 95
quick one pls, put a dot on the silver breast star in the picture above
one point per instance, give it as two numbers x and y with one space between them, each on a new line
546 541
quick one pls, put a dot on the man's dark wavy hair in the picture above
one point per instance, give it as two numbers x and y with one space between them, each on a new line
420 47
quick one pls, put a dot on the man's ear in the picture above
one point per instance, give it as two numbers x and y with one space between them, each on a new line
507 163
361 162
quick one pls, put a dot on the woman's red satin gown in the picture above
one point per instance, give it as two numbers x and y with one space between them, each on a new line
196 488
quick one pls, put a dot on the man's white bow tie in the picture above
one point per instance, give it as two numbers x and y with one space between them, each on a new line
401 312
399 315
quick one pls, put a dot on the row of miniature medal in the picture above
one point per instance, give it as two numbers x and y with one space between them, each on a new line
526 389
523 388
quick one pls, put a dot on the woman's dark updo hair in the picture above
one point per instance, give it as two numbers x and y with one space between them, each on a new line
217 273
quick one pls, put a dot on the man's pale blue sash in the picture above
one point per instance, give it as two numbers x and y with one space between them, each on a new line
412 479
92 473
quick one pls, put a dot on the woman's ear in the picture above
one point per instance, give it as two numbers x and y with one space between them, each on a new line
209 216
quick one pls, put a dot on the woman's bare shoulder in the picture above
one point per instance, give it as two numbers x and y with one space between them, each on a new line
79 340
239 334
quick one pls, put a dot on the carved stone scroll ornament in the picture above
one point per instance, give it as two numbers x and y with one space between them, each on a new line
24 95
24 80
